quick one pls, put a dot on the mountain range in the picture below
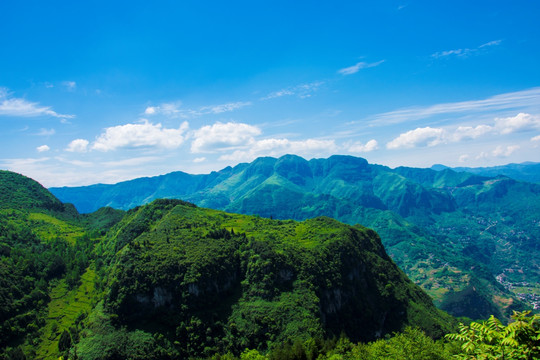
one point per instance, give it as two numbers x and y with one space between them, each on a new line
172 280
469 240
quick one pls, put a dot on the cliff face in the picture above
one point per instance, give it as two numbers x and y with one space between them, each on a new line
259 279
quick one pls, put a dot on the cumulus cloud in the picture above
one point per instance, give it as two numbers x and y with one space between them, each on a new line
520 122
279 147
140 135
359 147
358 66
504 151
426 136
469 132
433 136
199 160
78 145
221 136
151 110
43 148
10 106
536 138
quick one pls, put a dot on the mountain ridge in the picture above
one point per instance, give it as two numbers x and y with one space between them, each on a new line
173 280
412 209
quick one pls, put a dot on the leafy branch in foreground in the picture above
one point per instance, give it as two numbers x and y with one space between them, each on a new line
492 340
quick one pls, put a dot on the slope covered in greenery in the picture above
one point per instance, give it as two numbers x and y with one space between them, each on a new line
468 240
215 282
172 280
46 255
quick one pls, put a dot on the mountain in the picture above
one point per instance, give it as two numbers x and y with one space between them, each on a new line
173 280
528 171
226 282
46 273
470 241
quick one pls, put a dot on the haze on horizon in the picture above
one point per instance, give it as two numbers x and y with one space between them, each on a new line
101 92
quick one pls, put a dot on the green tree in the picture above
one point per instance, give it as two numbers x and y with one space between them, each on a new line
492 340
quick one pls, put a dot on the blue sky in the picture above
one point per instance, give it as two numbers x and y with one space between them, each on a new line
109 91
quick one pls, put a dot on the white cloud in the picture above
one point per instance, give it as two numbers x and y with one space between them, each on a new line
70 85
174 109
358 147
46 132
218 109
140 135
199 160
465 51
279 147
530 97
520 122
137 161
151 110
220 136
43 148
279 93
10 106
358 66
469 132
536 138
78 145
490 43
77 163
302 91
463 158
502 151
426 136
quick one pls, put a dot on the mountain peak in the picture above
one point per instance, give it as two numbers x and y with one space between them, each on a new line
20 192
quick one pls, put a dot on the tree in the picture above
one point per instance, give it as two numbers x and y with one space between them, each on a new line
492 340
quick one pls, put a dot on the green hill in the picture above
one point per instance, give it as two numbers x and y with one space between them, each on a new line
465 238
218 282
172 280
46 266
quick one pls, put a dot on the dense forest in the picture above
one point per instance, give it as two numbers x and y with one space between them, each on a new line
173 280
469 240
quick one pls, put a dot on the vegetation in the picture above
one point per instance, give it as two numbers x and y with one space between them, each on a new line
492 340
170 280
464 238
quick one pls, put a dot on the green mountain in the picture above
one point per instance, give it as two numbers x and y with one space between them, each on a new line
172 280
528 171
470 241
46 273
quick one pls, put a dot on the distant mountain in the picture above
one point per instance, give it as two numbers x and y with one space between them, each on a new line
452 232
527 171
170 280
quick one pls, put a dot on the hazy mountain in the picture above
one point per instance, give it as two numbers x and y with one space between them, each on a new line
452 232
528 171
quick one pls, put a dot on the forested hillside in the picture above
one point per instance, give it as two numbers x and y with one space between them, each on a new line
172 280
470 241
